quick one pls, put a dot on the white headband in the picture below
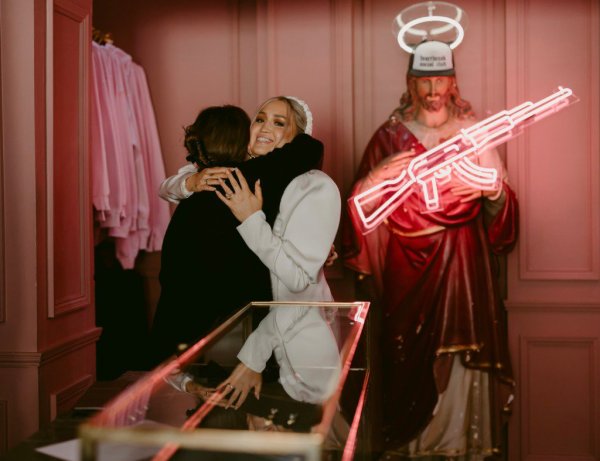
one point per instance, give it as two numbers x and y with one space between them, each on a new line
307 113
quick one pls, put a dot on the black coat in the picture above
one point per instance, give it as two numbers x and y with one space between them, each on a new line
207 271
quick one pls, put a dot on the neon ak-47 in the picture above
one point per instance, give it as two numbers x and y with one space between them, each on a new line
454 156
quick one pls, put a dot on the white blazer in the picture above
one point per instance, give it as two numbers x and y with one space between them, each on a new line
295 251
299 243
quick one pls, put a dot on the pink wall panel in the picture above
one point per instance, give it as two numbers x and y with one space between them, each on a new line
551 61
556 354
66 371
18 332
558 161
18 402
553 276
18 205
549 405
70 206
58 206
63 192
313 66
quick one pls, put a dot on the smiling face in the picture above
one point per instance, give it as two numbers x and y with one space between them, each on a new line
433 92
272 127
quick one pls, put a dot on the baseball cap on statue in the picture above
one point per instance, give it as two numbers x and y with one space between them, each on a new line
430 59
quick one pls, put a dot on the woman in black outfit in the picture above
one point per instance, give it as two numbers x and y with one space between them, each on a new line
207 271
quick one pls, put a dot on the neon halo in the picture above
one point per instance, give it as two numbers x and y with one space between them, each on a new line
437 31
436 20
460 32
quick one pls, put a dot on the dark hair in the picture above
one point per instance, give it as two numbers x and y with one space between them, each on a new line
219 136
458 107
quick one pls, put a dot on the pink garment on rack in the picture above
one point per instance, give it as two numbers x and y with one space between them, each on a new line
128 163
100 180
129 241
109 133
125 145
154 167
135 126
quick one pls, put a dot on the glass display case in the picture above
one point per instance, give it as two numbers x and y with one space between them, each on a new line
310 407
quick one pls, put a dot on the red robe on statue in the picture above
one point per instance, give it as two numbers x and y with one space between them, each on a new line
438 289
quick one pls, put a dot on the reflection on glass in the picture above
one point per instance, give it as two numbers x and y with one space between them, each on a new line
309 407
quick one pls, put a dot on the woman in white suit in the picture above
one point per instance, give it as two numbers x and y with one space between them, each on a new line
294 250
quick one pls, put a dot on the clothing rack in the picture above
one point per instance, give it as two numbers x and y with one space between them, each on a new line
127 160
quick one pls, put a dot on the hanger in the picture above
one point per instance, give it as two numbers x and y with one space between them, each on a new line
102 38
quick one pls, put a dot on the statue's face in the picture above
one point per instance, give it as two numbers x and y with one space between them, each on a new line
433 92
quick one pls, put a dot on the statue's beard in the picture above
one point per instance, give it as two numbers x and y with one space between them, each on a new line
436 105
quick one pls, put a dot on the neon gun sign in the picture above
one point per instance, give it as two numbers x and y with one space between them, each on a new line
454 157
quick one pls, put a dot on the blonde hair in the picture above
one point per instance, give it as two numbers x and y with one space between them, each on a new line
297 111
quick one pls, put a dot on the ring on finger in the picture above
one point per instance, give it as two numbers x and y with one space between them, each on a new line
228 197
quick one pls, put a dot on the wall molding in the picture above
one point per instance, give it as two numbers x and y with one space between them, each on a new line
266 55
43 358
533 445
3 426
20 359
57 306
363 73
49 155
341 139
64 400
544 307
492 73
2 207
236 64
88 338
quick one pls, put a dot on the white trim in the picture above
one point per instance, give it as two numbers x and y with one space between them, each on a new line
2 207
50 157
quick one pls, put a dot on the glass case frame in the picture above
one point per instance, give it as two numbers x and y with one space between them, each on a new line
121 427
